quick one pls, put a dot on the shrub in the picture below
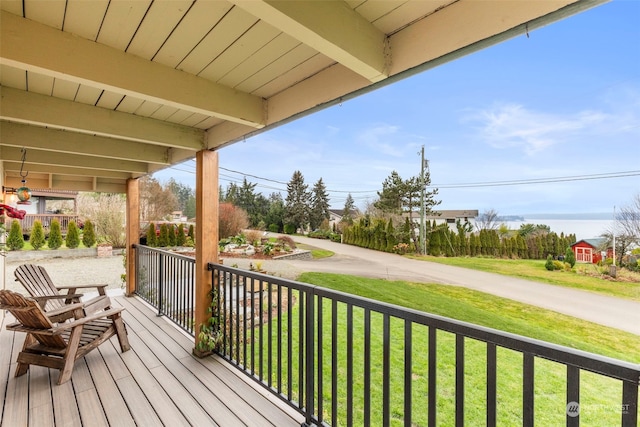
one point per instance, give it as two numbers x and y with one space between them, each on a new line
55 235
232 220
37 238
287 241
73 236
570 257
163 238
180 236
171 235
152 238
558 265
88 234
549 264
273 228
253 236
289 228
15 240
191 232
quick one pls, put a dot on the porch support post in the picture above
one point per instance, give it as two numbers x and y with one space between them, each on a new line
206 232
133 231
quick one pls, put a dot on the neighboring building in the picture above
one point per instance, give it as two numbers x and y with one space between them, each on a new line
335 216
590 250
45 206
450 217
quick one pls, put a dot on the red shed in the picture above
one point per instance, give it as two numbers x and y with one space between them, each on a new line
589 250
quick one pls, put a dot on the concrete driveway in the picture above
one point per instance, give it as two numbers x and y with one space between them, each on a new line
605 310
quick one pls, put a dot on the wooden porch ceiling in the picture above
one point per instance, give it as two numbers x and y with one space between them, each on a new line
102 91
157 382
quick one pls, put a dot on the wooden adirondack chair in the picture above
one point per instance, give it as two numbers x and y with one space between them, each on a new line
59 345
38 283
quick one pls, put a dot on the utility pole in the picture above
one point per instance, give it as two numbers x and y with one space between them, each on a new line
423 230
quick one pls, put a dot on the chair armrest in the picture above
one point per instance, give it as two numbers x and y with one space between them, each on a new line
99 315
50 297
97 286
66 309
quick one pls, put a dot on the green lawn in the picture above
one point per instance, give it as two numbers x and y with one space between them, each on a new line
534 270
599 396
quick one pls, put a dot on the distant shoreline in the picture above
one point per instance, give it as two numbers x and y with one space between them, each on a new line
560 216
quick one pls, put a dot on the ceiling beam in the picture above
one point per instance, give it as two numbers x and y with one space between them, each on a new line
61 141
36 47
29 107
330 27
14 167
43 157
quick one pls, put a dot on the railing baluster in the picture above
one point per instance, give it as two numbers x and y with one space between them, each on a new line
253 326
289 344
408 368
349 364
279 343
459 380
432 387
310 355
367 367
573 396
528 390
386 371
334 362
491 384
629 405
301 354
269 334
320 331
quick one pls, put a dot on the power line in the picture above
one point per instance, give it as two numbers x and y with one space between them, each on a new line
540 180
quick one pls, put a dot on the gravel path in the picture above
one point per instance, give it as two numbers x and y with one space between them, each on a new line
69 271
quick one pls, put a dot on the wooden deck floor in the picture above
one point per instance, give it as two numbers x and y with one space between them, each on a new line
158 382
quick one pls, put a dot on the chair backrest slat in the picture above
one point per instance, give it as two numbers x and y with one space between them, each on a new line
38 283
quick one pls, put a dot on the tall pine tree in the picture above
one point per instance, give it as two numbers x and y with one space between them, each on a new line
319 205
297 202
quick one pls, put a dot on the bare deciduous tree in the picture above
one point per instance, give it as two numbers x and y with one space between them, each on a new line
488 220
107 212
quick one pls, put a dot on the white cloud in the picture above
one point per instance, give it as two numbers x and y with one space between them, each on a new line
514 126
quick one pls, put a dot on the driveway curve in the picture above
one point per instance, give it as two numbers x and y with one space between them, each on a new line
602 309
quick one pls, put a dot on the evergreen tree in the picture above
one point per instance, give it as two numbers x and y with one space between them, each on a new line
88 234
55 235
15 240
171 235
275 214
191 232
37 238
297 202
180 236
152 238
319 205
163 238
347 211
570 257
72 239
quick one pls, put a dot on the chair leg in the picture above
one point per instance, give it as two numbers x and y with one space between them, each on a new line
121 331
22 368
70 355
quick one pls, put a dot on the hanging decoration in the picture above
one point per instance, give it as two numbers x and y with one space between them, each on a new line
23 193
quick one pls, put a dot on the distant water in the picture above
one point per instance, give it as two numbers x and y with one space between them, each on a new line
582 228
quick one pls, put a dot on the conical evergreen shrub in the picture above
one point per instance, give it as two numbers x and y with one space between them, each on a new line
73 236
55 235
88 234
15 241
37 238
152 238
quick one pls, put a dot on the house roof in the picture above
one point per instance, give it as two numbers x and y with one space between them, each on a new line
103 91
455 214
596 242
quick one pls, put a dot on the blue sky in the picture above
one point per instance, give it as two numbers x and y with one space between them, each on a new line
563 102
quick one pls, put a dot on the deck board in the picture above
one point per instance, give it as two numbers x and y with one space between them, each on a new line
157 382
